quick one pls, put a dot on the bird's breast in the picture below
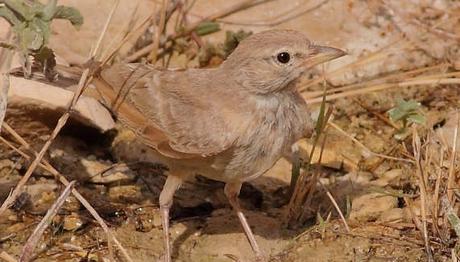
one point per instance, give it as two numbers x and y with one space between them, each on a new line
274 127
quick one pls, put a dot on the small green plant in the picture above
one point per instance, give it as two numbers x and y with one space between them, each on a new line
31 21
406 112
206 28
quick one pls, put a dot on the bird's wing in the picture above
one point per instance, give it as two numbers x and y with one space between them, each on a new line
166 110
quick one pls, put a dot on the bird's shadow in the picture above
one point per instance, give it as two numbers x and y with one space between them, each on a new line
198 201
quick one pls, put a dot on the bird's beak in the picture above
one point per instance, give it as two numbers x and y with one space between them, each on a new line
320 54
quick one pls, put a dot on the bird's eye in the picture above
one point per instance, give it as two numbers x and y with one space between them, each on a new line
283 57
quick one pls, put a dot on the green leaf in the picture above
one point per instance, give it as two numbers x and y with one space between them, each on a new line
30 39
36 9
207 28
452 216
403 110
320 123
416 118
49 10
19 7
9 16
401 134
69 13
41 27
409 105
396 114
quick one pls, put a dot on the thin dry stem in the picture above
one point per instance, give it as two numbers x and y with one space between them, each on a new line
451 177
336 206
142 27
6 56
380 87
28 248
282 18
158 32
387 78
124 32
370 58
366 149
437 188
220 14
96 49
423 191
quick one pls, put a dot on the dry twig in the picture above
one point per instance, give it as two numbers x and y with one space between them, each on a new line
28 248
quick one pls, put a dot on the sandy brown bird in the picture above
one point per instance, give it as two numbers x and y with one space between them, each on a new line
231 123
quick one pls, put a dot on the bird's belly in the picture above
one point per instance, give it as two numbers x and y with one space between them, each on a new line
249 162
233 171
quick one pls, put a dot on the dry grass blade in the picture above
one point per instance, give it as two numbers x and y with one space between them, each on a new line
367 151
336 206
380 87
158 32
423 191
142 27
27 250
124 31
451 177
4 87
393 77
5 63
438 187
372 57
220 14
96 49
284 17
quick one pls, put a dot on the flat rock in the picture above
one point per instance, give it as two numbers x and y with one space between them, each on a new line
102 173
88 110
338 153
369 207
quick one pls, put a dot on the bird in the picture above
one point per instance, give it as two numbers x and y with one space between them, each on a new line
230 123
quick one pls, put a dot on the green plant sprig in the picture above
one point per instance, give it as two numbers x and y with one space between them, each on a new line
31 23
406 112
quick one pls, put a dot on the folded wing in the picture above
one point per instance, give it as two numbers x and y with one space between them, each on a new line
173 112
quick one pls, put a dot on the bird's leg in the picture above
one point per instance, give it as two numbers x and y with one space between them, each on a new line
166 199
232 190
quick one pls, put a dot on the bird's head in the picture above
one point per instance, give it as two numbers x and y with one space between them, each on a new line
269 61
